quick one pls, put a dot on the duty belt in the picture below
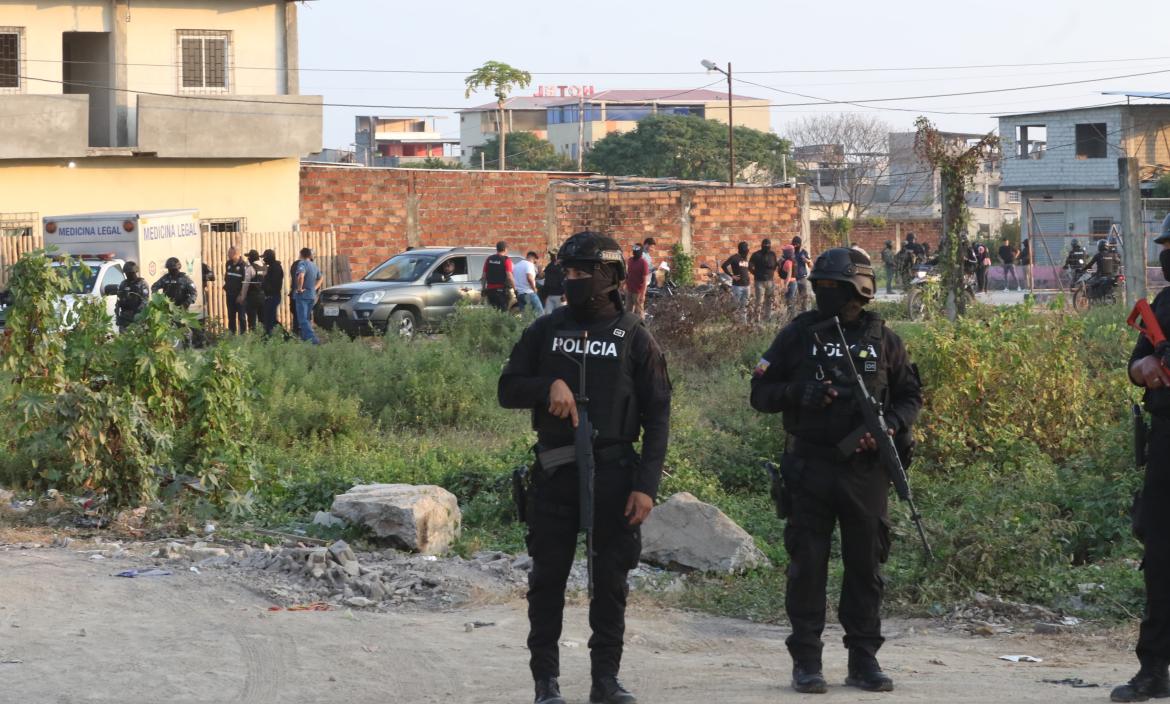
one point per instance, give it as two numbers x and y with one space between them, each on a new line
557 457
817 451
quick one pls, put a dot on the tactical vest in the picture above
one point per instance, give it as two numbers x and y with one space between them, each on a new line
178 288
496 274
613 404
233 281
831 425
132 297
1109 264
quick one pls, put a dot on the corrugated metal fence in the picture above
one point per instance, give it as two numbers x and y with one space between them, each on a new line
287 245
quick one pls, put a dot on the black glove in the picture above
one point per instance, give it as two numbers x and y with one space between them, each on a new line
811 394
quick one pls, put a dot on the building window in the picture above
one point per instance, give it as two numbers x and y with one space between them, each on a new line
628 113
224 225
1100 226
204 61
1013 196
1031 141
993 197
1091 142
11 58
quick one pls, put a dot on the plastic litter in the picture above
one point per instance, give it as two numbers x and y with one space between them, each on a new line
1074 682
1020 658
145 573
315 606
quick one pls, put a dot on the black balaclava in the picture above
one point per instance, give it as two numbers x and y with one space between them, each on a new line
1164 259
590 299
832 299
743 249
766 245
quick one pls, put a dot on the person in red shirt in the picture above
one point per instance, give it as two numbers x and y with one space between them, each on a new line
497 277
637 277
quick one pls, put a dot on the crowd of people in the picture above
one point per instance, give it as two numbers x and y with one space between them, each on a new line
253 287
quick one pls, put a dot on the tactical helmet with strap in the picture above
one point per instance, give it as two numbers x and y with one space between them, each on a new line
846 265
591 249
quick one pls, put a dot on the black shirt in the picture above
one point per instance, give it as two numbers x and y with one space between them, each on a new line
737 268
1006 255
273 282
554 280
774 374
519 387
763 265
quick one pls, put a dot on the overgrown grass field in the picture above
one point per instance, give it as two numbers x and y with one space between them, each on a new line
1024 469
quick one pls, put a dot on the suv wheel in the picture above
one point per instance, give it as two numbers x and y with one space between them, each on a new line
403 323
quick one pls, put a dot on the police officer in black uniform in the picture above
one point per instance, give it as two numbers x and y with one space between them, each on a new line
176 285
1146 369
629 396
235 274
133 294
823 484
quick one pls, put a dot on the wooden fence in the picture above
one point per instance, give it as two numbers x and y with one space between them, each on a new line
287 245
12 247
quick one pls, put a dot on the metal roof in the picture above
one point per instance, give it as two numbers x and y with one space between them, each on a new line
665 95
524 102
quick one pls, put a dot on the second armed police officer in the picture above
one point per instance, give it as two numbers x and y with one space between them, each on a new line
133 294
628 396
824 484
176 285
1152 521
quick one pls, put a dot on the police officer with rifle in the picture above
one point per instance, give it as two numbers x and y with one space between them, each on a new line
1149 367
595 381
176 285
132 297
846 388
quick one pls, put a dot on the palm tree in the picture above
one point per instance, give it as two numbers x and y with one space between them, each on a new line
501 78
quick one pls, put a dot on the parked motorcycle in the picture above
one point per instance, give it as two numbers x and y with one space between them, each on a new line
666 289
925 283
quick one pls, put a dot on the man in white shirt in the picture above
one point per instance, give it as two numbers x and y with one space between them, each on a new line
524 273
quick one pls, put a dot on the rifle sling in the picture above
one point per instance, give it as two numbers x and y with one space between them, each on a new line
557 457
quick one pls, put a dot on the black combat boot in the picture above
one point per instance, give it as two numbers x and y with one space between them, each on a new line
865 673
607 690
807 679
548 691
1146 684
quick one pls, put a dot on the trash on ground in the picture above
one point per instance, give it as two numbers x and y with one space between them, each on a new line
1020 658
314 606
1075 682
472 625
569 644
145 573
11 662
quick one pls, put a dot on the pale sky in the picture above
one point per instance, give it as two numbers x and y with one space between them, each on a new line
588 43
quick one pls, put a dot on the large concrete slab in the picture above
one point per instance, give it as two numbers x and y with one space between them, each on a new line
43 126
233 126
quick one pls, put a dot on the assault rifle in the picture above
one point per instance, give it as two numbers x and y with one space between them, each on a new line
1142 319
583 447
874 424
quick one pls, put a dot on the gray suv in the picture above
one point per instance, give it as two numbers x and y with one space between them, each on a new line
408 292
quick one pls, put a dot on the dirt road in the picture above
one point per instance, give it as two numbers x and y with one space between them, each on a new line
81 635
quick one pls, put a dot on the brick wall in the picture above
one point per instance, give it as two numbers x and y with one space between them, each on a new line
378 212
873 239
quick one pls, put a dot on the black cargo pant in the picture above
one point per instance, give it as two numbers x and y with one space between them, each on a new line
824 493
1153 647
237 319
552 544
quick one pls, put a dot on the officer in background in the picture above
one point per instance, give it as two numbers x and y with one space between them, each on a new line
497 277
1075 260
176 285
824 485
132 297
253 293
629 396
1152 522
236 275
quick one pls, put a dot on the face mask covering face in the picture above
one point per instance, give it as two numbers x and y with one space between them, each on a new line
832 299
1164 260
588 297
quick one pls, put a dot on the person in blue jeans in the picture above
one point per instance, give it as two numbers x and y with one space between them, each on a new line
305 285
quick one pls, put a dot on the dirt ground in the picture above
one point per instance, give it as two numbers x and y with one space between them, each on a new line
71 632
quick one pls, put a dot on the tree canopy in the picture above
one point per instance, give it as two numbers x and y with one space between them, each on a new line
524 151
691 148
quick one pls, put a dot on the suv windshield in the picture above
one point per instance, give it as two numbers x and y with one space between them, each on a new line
81 279
404 267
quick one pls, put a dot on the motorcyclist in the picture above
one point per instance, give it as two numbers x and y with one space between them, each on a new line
1107 264
133 294
1075 261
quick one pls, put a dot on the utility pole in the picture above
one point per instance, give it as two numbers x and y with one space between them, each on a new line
581 133
1133 229
730 134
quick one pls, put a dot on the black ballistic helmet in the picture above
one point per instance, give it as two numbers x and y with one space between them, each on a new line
847 265
131 269
593 248
173 264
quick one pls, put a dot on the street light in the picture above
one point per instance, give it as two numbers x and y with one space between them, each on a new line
712 66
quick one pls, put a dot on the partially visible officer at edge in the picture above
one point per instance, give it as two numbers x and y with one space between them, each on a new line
821 484
133 293
629 395
1152 522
